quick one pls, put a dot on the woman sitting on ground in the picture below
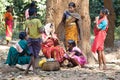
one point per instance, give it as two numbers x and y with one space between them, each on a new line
19 54
50 45
74 54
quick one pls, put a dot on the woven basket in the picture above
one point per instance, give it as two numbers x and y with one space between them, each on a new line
51 66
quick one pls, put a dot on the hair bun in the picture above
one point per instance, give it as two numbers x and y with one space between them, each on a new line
72 4
105 11
22 35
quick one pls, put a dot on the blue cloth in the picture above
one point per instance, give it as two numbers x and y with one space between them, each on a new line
67 14
103 25
34 46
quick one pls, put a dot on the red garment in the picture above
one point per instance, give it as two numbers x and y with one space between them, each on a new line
46 47
9 25
57 52
50 49
100 35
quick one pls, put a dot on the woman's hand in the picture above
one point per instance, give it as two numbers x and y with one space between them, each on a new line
96 19
72 54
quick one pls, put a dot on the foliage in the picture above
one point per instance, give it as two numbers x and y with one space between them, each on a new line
117 11
19 7
117 33
96 5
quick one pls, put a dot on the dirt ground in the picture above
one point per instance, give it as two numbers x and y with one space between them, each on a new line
90 73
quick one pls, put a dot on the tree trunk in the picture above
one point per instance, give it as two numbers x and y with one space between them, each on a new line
55 9
110 34
85 30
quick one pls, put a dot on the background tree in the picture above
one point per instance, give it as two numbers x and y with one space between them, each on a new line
55 10
110 34
19 7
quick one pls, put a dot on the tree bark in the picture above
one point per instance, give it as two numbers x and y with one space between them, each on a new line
109 42
85 30
55 9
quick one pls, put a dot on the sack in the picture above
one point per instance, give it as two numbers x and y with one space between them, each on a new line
51 66
41 62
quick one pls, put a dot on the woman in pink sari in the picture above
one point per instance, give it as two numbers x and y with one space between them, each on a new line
8 23
75 55
100 30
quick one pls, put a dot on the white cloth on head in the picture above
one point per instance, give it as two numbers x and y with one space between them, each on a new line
49 29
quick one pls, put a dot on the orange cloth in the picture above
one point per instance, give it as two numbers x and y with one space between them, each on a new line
51 49
9 24
71 33
8 16
100 36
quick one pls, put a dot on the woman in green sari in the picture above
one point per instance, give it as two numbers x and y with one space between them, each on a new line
19 54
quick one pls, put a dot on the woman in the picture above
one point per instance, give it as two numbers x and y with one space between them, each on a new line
50 45
100 30
71 22
19 54
75 55
9 23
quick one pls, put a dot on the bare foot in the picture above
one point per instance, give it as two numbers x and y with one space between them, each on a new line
100 67
80 66
104 67
35 72
26 72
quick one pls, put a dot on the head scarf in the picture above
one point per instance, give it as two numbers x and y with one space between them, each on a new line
49 29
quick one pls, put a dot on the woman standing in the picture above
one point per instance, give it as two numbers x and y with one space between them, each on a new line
71 22
8 23
100 30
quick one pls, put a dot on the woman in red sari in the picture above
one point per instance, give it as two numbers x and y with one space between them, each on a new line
8 23
100 30
50 45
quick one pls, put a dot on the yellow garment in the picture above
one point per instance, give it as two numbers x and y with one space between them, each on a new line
32 26
71 33
41 62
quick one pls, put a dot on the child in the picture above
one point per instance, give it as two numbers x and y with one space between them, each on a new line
75 55
32 25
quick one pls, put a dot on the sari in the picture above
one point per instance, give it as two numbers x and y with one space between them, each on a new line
18 54
51 49
9 25
77 56
69 28
100 35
